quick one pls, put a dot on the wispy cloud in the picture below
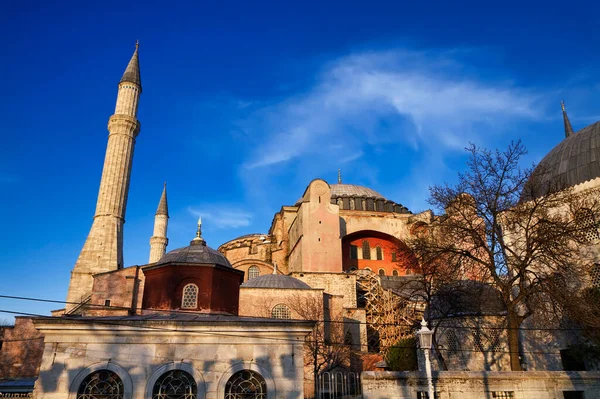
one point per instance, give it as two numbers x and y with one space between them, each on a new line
423 99
222 216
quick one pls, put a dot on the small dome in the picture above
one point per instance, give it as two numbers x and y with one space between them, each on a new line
196 252
276 281
574 160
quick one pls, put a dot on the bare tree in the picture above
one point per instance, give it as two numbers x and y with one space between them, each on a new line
325 347
506 227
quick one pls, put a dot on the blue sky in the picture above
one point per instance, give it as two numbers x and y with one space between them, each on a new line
245 102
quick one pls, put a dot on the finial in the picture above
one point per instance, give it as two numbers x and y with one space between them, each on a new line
137 44
339 176
198 238
562 105
274 267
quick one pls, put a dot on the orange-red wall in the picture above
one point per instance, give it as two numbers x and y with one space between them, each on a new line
388 245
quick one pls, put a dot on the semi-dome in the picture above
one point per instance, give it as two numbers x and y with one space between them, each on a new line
573 161
276 281
196 252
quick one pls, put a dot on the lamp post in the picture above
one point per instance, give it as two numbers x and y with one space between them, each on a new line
425 339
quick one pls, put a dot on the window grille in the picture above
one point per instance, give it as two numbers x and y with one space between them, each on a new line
379 253
366 250
101 384
190 297
452 343
175 384
477 341
595 275
588 225
246 384
281 311
494 336
381 272
253 271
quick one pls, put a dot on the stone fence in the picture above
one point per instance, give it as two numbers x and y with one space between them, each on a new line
482 385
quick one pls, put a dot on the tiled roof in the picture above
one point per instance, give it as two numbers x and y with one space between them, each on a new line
276 281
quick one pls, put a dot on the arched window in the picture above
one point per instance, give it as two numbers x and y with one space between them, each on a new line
379 253
246 384
395 273
253 271
366 250
352 268
190 297
587 225
101 384
175 384
381 272
368 268
281 311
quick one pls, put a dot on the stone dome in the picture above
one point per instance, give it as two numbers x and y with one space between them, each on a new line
196 252
574 160
276 281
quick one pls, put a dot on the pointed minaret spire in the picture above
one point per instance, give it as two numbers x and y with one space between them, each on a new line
159 240
568 128
163 206
132 72
339 176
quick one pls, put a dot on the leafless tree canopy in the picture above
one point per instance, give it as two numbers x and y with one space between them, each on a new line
502 228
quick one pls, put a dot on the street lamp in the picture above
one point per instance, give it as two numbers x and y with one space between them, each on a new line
425 339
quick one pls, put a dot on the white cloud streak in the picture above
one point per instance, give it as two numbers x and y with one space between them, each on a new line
222 216
425 100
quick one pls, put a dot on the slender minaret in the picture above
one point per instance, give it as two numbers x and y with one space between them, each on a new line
103 248
568 128
159 240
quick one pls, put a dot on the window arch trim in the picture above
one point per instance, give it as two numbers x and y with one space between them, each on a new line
271 388
176 366
282 310
111 366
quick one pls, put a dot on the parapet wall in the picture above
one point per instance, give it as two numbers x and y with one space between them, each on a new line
478 385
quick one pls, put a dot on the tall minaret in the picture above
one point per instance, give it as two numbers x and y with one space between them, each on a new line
568 128
159 240
103 249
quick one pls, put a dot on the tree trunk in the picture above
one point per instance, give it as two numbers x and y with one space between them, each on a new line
514 322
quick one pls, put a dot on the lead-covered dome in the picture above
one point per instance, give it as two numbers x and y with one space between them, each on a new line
276 281
574 161
352 190
197 252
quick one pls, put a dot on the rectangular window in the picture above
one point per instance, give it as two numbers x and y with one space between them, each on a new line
394 257
570 361
503 394
573 395
107 302
353 252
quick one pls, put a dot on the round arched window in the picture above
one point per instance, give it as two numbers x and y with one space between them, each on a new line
281 311
175 384
253 271
101 384
395 273
381 272
189 299
246 384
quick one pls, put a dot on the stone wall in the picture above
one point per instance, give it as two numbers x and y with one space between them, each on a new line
259 302
480 385
21 348
139 352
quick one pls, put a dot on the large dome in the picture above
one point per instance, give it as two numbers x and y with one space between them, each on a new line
196 252
575 160
352 190
276 281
